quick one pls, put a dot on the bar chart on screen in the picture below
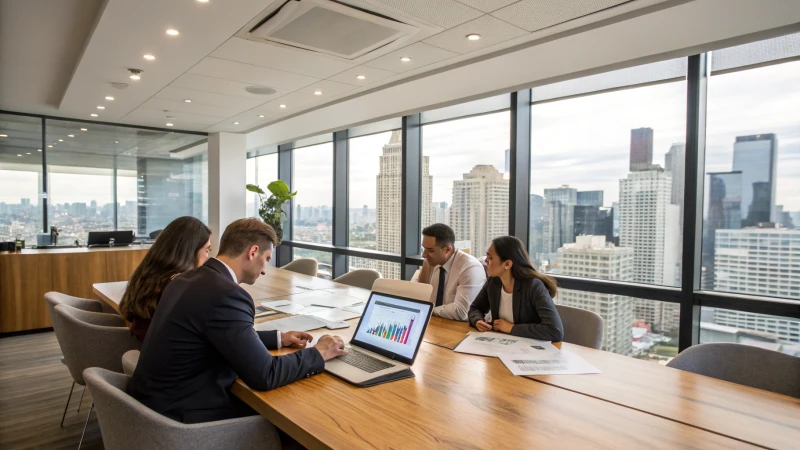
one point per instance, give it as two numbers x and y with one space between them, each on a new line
392 323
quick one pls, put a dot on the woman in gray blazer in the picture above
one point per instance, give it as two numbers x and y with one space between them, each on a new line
519 297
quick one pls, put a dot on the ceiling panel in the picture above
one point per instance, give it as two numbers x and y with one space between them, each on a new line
487 6
207 98
421 54
444 13
328 89
294 102
191 108
221 86
248 73
534 15
491 29
293 60
372 75
178 118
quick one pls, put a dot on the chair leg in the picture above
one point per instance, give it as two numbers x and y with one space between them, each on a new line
67 405
81 401
85 425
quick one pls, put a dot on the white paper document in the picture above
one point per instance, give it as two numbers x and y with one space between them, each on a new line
292 323
324 298
490 343
332 314
284 306
556 363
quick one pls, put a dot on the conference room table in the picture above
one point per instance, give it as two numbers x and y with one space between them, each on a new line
458 400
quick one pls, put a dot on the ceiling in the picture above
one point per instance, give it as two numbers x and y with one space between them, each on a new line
65 68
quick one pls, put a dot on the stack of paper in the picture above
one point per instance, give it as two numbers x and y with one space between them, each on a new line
491 343
555 363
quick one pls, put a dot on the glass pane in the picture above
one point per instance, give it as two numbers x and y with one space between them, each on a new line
781 334
387 269
607 184
313 181
324 260
261 171
375 173
756 53
644 329
484 105
160 176
751 240
465 178
20 178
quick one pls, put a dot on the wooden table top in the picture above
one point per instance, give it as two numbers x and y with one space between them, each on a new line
57 251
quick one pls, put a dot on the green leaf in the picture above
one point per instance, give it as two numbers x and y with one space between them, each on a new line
256 189
278 188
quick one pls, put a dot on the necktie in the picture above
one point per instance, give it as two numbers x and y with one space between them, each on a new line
440 290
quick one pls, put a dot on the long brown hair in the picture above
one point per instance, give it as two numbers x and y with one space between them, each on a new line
174 252
510 247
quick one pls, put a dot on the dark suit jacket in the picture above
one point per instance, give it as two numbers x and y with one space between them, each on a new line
200 339
535 314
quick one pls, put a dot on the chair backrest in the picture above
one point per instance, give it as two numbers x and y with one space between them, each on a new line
581 327
409 289
363 278
129 361
91 339
127 424
57 298
743 364
306 266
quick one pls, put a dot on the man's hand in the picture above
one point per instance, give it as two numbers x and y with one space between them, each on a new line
483 326
330 347
425 272
295 339
502 326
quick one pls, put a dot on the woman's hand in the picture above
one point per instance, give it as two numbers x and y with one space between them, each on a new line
502 326
483 326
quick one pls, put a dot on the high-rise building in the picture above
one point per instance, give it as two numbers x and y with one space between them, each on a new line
593 257
724 213
641 157
755 156
536 239
590 220
441 213
590 198
480 207
674 163
559 218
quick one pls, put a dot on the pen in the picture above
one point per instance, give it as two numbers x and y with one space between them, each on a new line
324 306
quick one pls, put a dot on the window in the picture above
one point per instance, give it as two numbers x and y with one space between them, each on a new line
776 333
324 260
20 178
607 174
465 178
261 171
313 180
752 203
375 173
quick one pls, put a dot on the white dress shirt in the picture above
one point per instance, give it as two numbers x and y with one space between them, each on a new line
464 278
236 280
506 310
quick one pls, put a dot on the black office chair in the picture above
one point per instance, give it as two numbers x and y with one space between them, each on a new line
154 234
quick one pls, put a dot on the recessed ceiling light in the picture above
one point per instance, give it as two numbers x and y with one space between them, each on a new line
71 135
187 100
317 92
172 32
405 59
101 107
49 146
169 124
261 116
135 74
84 129
149 57
135 77
116 142
60 140
19 154
361 77
236 123
3 135
38 149
202 1
93 115
109 98
473 36
283 106
28 153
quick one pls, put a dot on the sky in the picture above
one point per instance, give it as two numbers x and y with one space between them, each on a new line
583 142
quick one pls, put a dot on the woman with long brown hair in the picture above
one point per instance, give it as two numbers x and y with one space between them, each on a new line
182 246
519 297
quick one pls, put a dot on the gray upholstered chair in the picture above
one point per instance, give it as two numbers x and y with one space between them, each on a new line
57 298
362 278
743 364
581 326
127 424
306 266
91 339
410 289
129 361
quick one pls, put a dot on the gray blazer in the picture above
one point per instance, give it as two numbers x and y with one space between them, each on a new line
535 314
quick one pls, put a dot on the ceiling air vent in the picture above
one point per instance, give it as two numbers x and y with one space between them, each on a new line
329 27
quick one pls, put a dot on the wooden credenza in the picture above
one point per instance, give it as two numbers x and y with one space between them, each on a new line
27 275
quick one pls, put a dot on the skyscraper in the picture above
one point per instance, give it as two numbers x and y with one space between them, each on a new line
536 243
641 149
480 207
591 256
755 156
388 210
674 162
590 198
441 213
559 218
724 213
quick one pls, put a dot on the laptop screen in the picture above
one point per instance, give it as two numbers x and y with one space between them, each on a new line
393 325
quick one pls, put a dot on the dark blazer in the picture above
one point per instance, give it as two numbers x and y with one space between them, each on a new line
535 314
200 340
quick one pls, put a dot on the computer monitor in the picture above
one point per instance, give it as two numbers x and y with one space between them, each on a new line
103 238
393 326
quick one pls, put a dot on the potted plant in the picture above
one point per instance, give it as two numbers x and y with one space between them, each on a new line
271 209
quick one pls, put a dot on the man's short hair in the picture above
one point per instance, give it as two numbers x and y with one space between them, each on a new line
242 234
444 235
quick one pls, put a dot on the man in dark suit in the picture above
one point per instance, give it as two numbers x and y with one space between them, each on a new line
202 338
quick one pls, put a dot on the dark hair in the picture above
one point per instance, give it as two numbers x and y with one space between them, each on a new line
244 233
174 252
510 247
444 235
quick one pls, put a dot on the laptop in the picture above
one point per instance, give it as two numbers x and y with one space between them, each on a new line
104 238
386 341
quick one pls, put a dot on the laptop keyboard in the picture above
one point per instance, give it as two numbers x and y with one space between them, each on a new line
365 362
